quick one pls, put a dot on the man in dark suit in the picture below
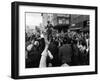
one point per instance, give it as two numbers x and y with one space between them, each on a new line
65 52
53 48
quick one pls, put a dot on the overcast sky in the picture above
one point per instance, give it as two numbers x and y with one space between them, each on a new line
33 19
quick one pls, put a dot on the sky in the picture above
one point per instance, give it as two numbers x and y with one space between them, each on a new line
33 19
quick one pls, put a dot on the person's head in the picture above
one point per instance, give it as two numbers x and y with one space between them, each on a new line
64 41
83 43
67 40
36 43
48 22
42 36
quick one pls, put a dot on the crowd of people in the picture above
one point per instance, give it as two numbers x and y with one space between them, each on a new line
55 49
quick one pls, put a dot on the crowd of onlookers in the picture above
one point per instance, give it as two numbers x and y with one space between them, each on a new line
69 48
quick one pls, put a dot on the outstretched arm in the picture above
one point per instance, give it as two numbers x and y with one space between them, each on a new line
43 57
44 54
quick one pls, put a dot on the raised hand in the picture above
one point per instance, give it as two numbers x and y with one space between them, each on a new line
47 42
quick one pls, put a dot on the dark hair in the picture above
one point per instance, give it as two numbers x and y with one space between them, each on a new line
67 40
83 43
48 21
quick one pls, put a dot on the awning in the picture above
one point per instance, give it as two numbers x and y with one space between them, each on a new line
74 28
61 26
85 29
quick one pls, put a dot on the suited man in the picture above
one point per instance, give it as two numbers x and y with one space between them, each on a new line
65 52
34 55
53 48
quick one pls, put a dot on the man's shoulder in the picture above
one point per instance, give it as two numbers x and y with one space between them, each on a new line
62 47
65 46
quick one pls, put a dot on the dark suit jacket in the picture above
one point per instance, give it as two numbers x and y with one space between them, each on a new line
65 53
54 51
34 56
